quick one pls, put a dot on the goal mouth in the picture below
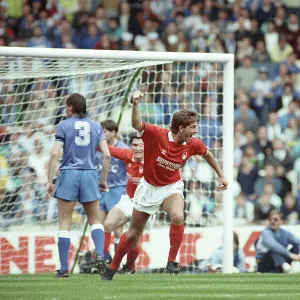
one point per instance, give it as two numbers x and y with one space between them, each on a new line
34 86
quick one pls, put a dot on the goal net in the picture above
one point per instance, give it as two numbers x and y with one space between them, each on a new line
34 86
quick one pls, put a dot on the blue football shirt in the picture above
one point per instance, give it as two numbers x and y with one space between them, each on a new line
80 138
117 171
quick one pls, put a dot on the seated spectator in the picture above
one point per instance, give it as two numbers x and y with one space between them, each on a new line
245 115
243 209
38 41
265 11
154 43
273 128
106 43
214 263
281 51
280 156
292 133
268 188
262 208
293 112
271 37
261 94
282 102
89 40
272 254
244 49
292 29
290 210
114 30
125 43
260 53
247 176
245 75
269 177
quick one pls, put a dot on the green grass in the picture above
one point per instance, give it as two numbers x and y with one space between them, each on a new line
154 286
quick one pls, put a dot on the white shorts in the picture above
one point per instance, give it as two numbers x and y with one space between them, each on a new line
148 198
126 206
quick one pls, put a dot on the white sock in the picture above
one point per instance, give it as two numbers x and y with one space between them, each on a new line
286 268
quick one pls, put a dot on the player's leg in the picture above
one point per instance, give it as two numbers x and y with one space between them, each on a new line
128 239
174 206
117 235
114 219
89 197
65 210
67 192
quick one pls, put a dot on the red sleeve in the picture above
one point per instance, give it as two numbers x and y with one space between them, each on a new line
199 147
150 129
120 153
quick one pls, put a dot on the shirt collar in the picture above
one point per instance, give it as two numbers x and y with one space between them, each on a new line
170 137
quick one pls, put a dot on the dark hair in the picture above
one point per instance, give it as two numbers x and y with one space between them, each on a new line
236 239
110 125
78 103
132 137
184 118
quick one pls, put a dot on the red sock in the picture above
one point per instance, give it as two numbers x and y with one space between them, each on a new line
132 256
176 237
122 249
106 241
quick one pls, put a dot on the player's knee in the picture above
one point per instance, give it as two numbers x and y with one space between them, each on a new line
177 218
133 235
108 226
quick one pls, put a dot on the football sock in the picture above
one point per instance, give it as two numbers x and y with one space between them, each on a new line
107 241
176 237
132 256
116 242
63 249
122 249
97 232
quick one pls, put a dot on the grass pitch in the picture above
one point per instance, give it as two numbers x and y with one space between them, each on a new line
151 286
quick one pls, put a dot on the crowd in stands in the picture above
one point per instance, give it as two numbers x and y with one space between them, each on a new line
264 35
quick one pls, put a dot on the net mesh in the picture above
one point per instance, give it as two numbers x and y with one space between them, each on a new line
33 94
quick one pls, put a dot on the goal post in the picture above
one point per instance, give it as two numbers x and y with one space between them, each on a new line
111 72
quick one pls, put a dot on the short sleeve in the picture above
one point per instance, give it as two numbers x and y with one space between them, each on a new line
60 133
149 129
198 147
101 134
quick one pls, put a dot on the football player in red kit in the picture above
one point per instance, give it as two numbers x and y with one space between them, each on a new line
122 211
165 152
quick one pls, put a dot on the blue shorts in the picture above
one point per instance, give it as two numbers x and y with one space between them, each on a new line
81 185
109 199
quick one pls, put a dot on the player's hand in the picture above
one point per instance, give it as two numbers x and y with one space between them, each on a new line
295 257
49 190
102 186
223 184
136 97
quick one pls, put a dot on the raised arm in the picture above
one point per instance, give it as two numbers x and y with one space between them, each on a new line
105 165
135 115
223 183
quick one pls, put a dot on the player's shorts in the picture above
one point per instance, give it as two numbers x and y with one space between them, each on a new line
110 198
126 206
148 198
81 185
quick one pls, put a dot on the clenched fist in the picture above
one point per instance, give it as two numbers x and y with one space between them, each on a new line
137 95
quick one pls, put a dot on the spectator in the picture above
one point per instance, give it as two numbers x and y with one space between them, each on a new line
80 18
154 43
272 254
38 41
244 49
245 75
292 30
266 11
271 37
273 128
268 189
243 209
260 55
281 51
261 94
269 177
292 133
293 112
247 176
114 30
214 263
263 207
290 210
245 115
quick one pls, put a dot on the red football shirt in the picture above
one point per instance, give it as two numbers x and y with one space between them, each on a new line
134 170
164 157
